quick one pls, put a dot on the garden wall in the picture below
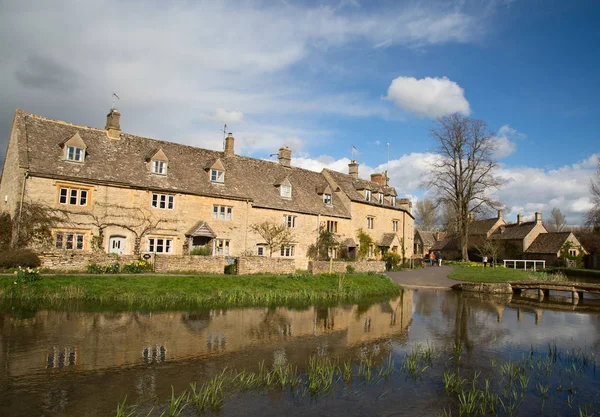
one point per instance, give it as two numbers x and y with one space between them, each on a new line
322 267
79 261
262 264
206 264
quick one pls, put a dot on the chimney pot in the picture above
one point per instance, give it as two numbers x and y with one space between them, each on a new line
229 149
353 169
113 125
538 217
499 214
285 156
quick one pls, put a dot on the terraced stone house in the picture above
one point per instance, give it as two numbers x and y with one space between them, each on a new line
128 194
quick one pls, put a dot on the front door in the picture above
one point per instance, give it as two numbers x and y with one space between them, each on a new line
116 244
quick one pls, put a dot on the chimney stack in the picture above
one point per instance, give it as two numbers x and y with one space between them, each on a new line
377 178
500 214
113 126
538 217
353 169
519 218
385 180
285 156
229 140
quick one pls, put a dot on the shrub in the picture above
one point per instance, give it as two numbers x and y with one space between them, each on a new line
94 269
229 269
112 268
16 258
350 269
203 250
392 260
136 267
27 275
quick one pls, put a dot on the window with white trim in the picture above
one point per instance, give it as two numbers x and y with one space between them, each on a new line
285 191
393 201
75 154
394 225
287 251
69 241
371 253
221 247
160 245
572 252
163 201
332 226
327 199
367 195
289 221
332 252
261 250
216 175
370 222
222 212
73 196
159 167
380 198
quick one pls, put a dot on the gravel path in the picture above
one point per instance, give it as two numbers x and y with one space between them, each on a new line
427 277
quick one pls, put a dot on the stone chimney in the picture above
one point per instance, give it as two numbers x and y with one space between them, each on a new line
113 126
229 140
385 180
519 218
405 203
377 178
538 217
353 169
437 236
500 214
285 156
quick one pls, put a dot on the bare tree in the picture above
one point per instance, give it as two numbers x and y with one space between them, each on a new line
463 173
557 221
490 249
426 214
275 235
592 218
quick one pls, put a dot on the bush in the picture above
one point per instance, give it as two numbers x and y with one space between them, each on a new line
94 269
136 267
392 260
229 269
17 258
27 275
350 269
204 250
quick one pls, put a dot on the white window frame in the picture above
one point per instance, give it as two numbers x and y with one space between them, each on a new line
393 201
285 191
371 251
73 196
380 198
69 241
289 221
332 252
75 153
370 222
222 212
217 176
165 245
159 167
261 250
367 195
221 247
287 251
163 201
395 225
328 199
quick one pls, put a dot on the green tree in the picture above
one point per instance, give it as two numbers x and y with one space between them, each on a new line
364 242
275 235
320 249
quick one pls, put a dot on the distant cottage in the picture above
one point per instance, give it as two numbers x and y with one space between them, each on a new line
134 195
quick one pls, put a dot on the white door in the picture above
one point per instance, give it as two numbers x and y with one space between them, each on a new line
116 244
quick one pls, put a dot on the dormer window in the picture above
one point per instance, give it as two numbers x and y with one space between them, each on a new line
367 195
75 154
327 199
393 201
159 167
380 198
216 175
285 191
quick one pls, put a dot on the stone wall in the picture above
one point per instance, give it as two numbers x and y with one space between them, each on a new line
262 264
205 264
79 261
322 267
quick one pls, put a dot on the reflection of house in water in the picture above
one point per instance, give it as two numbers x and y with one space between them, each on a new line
92 341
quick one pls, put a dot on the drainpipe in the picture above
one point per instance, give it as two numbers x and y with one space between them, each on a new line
26 175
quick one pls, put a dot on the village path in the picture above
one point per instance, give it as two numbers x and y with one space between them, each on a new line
427 277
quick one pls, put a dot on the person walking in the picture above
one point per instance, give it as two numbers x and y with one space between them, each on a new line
432 258
485 261
439 258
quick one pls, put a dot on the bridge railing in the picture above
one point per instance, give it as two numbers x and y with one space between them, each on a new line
515 262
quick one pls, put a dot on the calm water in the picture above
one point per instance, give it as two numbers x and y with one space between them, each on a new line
82 364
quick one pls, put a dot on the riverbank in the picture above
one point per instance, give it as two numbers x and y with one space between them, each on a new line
160 292
492 275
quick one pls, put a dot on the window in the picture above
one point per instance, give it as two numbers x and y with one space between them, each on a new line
332 226
260 250
572 252
163 201
159 167
222 212
289 221
327 199
371 251
332 252
217 175
221 247
394 225
368 195
73 196
75 154
370 222
288 250
393 201
380 198
69 241
285 191
160 245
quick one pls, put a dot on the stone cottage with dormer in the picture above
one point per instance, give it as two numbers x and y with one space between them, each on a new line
132 195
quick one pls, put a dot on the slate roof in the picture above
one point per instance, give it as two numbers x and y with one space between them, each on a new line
446 244
548 243
481 227
387 239
513 231
123 162
428 237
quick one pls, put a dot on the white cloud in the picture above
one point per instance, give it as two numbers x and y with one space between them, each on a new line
224 116
504 145
428 97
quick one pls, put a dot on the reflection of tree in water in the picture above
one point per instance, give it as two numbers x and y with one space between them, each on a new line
272 324
467 321
426 302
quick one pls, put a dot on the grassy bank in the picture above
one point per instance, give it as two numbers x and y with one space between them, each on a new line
478 274
159 292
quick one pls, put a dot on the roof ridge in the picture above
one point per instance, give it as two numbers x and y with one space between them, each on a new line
61 122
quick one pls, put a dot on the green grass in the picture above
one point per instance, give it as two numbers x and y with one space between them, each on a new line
161 292
475 274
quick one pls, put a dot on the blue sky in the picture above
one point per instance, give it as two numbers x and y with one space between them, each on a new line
320 77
